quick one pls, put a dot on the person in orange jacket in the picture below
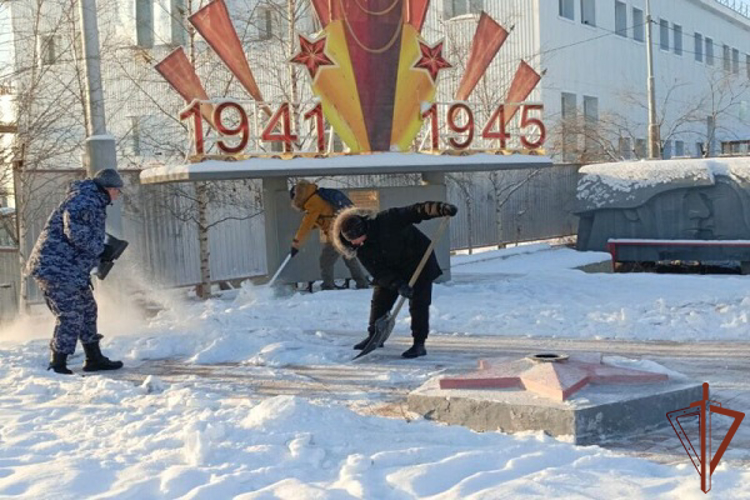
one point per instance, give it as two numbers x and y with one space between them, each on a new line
319 213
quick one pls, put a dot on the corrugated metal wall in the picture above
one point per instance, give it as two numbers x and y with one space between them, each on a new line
512 206
9 280
164 234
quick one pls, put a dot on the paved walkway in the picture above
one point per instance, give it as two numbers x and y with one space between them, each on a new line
379 383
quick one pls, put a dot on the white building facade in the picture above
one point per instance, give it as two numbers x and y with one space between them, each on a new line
594 53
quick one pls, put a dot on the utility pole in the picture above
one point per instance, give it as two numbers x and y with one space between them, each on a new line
100 152
291 11
654 143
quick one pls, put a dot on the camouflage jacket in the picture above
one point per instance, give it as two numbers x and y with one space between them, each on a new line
72 239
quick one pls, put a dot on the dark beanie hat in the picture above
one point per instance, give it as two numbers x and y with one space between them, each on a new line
108 178
353 227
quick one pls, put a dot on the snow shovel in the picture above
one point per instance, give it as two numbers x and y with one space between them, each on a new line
384 325
281 268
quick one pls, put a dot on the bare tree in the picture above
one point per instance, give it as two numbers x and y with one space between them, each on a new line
617 136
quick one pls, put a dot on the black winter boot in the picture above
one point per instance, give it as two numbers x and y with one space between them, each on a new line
96 361
58 362
415 350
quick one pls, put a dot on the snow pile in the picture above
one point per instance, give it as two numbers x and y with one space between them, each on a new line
169 436
100 438
618 183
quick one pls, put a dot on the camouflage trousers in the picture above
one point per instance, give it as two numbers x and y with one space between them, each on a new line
75 313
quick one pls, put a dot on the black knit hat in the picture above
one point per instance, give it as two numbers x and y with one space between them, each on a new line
353 227
108 178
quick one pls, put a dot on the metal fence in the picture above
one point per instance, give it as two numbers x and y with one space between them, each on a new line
159 221
9 281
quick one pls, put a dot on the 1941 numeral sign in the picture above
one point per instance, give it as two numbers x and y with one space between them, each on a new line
459 121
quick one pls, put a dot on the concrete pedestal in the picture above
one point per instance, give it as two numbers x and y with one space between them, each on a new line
592 415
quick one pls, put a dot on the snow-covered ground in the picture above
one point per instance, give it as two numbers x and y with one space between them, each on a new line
213 401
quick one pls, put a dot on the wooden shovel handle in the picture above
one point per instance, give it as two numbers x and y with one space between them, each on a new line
418 270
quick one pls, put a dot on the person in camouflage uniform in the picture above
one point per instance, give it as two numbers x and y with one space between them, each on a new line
68 248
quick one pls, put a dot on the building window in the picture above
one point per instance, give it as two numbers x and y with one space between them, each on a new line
144 23
679 148
699 150
569 115
638 25
640 149
135 136
623 144
591 122
725 57
663 34
709 51
462 7
710 148
567 9
621 18
735 61
698 47
677 30
264 23
747 65
179 33
588 12
49 49
666 150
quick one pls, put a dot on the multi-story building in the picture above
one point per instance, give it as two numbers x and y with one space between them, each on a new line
595 56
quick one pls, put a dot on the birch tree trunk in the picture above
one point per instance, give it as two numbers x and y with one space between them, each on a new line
201 195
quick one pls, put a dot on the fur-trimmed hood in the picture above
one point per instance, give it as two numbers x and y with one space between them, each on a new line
341 245
303 190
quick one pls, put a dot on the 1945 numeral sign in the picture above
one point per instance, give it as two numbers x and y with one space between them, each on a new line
459 121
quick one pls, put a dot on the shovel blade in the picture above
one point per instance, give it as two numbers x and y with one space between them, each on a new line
383 327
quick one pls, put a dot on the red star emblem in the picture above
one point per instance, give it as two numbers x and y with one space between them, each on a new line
312 55
431 59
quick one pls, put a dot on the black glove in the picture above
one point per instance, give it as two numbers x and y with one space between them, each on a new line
446 209
113 248
294 251
102 270
405 290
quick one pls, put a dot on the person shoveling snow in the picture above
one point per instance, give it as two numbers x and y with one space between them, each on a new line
70 246
391 248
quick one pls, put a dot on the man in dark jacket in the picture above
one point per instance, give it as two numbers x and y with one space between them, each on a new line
68 248
390 247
